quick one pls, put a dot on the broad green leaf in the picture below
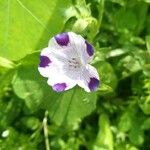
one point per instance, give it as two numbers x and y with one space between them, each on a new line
28 85
27 25
71 106
65 107
32 59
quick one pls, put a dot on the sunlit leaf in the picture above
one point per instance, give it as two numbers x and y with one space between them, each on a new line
27 25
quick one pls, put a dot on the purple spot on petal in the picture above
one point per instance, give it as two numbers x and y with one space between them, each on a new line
93 84
44 61
89 48
59 87
62 39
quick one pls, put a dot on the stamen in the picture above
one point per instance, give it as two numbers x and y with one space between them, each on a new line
74 63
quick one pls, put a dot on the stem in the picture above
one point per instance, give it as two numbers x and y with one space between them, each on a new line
46 131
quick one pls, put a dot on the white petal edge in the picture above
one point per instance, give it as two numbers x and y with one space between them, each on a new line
57 78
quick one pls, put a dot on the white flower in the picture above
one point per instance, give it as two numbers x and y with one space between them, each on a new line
65 63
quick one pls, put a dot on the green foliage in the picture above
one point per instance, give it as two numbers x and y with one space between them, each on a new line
116 117
21 19
104 138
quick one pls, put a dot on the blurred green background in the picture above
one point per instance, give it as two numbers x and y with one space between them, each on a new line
116 117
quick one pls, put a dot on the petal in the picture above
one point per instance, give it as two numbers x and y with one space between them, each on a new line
89 48
61 82
83 48
57 78
52 66
93 84
89 79
59 87
44 61
62 39
64 50
72 45
50 62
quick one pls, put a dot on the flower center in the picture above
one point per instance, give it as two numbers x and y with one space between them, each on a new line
74 63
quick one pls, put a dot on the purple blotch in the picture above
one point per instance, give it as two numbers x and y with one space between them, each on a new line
59 87
62 39
44 61
93 84
89 48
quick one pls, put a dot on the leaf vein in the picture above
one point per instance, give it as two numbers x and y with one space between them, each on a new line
24 7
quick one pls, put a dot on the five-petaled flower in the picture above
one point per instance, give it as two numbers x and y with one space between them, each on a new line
65 63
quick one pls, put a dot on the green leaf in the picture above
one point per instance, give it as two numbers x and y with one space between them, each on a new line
104 89
145 106
121 2
129 65
65 107
121 18
148 43
28 25
116 52
23 141
144 59
32 59
131 148
5 80
125 122
104 138
100 6
107 74
6 63
146 124
136 135
9 111
71 106
135 21
28 85
30 122
147 1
